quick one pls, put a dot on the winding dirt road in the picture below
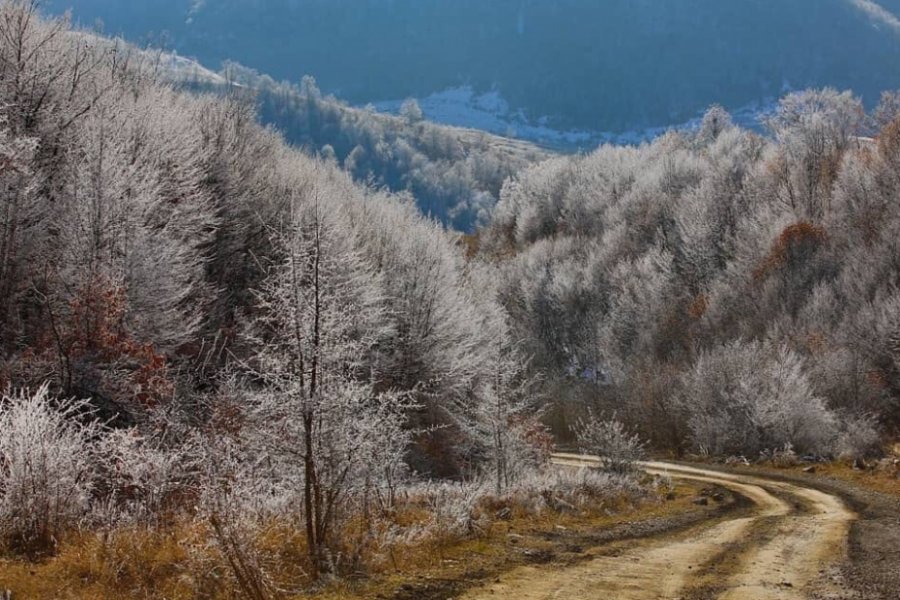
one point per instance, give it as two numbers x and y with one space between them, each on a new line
784 549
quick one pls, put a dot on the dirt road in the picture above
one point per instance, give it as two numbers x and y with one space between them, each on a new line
785 549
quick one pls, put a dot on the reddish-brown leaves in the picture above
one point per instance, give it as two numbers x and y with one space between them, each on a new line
698 306
93 331
795 242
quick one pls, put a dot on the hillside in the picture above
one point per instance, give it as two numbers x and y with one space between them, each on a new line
720 288
204 330
621 65
454 174
141 227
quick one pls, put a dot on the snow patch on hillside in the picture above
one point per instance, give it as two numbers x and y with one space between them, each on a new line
181 69
463 107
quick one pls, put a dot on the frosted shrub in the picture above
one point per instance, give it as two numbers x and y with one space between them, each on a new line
589 483
453 509
617 448
715 121
858 439
46 459
139 480
746 398
568 489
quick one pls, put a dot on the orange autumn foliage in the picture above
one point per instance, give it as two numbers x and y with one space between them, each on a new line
93 330
791 242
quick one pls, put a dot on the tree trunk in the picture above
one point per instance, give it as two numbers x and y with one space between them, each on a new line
309 467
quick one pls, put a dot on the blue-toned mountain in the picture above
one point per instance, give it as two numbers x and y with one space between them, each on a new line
599 65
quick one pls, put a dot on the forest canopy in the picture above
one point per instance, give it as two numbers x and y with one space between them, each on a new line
718 283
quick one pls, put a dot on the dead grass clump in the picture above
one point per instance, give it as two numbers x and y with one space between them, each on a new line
128 562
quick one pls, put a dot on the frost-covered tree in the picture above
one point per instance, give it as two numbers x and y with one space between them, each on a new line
813 129
320 321
22 218
139 217
411 111
507 408
436 347
887 111
716 121
642 293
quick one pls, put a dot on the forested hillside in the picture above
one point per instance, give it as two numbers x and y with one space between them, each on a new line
733 292
621 65
149 235
454 174
211 298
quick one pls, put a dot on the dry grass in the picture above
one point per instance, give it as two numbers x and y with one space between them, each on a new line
884 480
881 476
126 563
181 562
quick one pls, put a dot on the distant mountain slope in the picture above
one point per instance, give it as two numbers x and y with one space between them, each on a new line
601 65
455 174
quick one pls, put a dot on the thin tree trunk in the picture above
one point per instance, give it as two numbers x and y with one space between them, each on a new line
309 466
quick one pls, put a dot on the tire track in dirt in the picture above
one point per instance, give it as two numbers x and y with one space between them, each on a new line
780 552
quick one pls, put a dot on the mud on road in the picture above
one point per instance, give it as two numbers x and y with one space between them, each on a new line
792 545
